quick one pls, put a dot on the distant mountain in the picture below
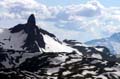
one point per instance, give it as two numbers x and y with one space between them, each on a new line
112 43
30 52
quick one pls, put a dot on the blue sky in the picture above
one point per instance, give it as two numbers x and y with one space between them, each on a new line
82 20
61 2
69 2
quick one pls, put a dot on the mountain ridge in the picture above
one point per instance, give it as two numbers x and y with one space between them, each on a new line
112 43
29 52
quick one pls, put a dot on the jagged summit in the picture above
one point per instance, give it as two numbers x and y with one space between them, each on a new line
30 52
31 20
28 27
33 38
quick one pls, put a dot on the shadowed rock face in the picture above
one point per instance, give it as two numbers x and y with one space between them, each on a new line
31 20
34 39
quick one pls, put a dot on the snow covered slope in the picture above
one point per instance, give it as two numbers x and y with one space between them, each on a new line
29 52
31 38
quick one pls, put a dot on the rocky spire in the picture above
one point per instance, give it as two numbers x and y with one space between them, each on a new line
31 20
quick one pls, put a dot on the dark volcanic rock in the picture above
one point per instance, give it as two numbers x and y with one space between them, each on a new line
34 39
31 20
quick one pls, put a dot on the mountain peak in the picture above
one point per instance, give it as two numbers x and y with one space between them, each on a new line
31 20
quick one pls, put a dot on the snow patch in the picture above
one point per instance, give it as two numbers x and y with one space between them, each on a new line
54 46
95 55
99 49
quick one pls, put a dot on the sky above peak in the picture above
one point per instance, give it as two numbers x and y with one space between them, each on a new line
107 3
82 20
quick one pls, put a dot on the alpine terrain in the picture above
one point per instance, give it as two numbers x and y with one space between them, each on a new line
30 52
112 43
